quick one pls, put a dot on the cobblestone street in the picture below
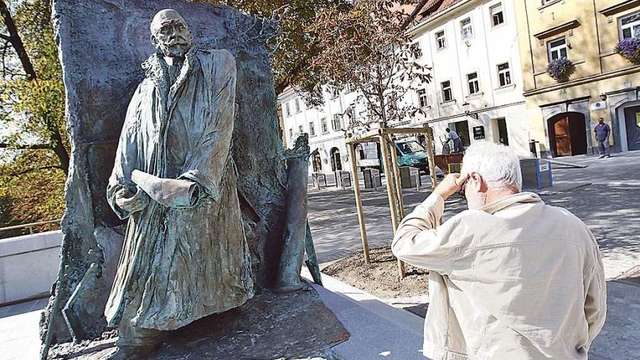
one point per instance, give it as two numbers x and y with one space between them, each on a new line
608 205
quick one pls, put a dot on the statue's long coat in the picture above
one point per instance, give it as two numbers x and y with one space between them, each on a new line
180 264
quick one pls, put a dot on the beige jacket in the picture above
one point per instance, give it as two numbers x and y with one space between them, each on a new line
516 280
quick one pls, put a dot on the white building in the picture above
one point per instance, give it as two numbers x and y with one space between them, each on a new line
324 126
476 87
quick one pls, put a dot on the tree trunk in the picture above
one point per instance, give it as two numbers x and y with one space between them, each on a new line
16 41
61 152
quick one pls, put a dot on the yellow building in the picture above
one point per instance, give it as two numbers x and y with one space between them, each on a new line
603 84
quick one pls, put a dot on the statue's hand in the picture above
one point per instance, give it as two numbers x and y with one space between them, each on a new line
171 193
131 203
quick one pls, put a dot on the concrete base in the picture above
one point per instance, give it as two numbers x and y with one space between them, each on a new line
295 325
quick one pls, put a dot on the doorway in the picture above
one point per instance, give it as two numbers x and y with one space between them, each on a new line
632 124
336 163
502 134
462 129
567 134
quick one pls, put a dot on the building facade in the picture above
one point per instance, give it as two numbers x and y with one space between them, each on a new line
603 84
324 125
476 88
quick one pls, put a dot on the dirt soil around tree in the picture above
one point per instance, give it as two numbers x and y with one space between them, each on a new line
379 278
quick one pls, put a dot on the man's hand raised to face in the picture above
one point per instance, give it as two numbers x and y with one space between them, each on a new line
451 184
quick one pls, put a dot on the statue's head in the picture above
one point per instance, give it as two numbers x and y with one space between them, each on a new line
170 33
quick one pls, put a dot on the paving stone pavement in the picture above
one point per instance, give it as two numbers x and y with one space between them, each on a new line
610 206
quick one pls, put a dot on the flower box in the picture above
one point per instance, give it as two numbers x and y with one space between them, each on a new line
560 69
629 49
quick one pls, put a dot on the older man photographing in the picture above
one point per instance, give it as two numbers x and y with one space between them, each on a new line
510 278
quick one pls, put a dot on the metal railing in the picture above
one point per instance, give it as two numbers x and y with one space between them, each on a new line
29 226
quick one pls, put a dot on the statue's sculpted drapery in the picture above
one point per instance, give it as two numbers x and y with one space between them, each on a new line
183 262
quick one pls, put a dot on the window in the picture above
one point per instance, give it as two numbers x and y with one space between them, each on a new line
441 41
447 95
336 123
473 83
287 110
497 15
466 29
291 134
630 26
300 129
297 106
557 49
504 74
323 126
312 129
423 98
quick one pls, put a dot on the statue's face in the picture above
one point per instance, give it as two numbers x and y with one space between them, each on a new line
170 34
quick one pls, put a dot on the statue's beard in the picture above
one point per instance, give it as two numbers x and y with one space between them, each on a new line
175 49
176 46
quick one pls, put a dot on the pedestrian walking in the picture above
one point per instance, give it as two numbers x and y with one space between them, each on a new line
510 278
456 140
602 132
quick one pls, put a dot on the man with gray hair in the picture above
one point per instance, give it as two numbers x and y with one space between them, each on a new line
510 278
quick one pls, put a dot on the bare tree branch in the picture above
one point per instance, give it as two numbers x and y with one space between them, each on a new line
26 147
413 14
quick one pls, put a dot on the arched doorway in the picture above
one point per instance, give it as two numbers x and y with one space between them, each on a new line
336 163
316 161
567 134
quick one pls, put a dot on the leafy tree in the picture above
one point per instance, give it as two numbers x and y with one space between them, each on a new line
293 48
368 50
36 155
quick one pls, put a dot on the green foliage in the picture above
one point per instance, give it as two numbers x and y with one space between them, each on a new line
32 181
294 47
30 196
40 101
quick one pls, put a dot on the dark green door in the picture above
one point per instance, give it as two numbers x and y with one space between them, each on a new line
632 122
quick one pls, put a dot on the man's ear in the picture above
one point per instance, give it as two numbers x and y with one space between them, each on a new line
153 40
478 182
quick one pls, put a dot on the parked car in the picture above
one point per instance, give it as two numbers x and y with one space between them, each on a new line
412 154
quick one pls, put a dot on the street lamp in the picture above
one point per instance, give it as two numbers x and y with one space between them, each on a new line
467 112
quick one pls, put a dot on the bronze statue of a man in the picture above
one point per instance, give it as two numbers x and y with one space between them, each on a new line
185 254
